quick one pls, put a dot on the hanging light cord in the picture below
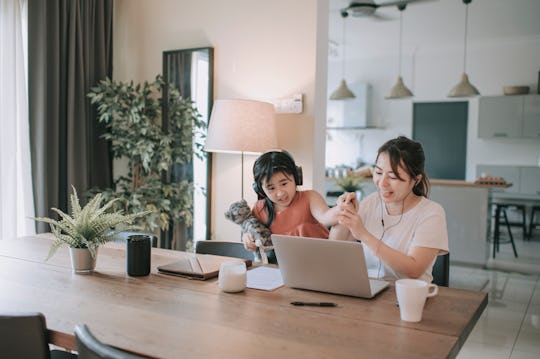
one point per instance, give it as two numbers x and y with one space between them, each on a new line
400 39
465 40
343 52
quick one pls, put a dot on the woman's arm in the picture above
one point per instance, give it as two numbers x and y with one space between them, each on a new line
412 264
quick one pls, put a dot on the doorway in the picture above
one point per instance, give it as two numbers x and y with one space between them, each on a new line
441 128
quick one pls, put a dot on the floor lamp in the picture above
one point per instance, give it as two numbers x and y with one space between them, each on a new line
241 126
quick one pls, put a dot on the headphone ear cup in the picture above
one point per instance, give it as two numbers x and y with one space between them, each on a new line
299 176
258 190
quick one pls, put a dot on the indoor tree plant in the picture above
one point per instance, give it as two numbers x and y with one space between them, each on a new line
134 122
86 228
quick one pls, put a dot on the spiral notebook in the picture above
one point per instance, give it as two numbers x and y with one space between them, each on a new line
197 266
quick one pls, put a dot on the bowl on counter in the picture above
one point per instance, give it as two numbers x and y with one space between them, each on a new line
516 90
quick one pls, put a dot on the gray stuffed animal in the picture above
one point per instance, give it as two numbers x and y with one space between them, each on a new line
240 213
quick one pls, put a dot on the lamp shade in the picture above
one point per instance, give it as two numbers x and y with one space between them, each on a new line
464 88
342 92
399 90
241 126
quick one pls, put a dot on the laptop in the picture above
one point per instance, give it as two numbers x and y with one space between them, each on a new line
337 267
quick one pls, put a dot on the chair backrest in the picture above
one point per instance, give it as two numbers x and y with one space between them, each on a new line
441 270
23 335
89 347
229 249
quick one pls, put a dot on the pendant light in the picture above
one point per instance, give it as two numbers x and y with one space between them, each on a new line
342 92
399 90
464 88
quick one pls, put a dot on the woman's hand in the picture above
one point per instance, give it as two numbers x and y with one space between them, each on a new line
349 218
249 242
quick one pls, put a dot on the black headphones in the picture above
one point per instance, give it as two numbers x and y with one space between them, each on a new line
287 164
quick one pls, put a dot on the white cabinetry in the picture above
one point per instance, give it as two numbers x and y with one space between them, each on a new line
509 116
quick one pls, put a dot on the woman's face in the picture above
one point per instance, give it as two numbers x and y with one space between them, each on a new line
390 187
280 188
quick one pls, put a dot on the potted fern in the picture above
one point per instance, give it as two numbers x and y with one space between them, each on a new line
87 228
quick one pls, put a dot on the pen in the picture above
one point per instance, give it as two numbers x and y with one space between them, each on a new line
314 304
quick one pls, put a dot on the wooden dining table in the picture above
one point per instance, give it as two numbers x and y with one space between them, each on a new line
167 316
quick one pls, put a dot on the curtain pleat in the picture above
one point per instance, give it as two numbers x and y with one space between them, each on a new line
70 50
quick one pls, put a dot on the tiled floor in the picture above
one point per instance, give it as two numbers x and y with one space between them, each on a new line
510 326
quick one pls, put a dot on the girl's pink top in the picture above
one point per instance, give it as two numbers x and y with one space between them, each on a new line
295 220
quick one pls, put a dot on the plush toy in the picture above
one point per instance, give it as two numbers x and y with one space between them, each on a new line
240 213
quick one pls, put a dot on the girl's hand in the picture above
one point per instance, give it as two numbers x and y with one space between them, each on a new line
347 200
350 219
249 242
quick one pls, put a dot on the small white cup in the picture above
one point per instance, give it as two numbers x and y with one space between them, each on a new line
232 276
411 295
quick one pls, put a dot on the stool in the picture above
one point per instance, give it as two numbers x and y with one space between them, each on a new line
532 223
500 209
523 222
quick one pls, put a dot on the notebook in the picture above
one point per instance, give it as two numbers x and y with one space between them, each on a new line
197 266
323 265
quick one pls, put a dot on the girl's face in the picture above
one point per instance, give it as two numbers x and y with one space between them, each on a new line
280 188
390 187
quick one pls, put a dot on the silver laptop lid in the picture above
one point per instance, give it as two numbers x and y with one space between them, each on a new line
323 265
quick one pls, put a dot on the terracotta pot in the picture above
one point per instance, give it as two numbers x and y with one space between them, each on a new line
82 261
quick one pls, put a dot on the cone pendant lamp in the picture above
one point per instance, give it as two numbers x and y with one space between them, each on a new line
342 92
464 88
399 90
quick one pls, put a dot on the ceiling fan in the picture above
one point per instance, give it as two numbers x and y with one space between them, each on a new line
369 7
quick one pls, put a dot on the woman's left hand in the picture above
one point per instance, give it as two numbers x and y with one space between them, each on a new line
350 219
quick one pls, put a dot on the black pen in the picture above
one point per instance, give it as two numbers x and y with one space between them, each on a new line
314 304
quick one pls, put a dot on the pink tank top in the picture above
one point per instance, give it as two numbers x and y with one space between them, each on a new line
295 220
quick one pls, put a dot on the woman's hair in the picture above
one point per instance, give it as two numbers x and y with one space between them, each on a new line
408 154
265 167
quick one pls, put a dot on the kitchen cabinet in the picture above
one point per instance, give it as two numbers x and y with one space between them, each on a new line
525 179
509 116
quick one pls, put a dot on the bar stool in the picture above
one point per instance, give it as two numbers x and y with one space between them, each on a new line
532 223
523 222
500 209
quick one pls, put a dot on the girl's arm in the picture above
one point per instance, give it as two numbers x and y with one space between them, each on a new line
325 215
412 264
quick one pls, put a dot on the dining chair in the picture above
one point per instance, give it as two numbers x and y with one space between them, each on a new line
25 335
441 270
89 347
221 248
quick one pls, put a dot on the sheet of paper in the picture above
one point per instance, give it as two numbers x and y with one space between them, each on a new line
264 278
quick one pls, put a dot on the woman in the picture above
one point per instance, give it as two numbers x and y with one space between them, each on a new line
402 231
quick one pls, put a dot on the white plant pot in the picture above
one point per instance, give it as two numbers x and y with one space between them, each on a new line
82 261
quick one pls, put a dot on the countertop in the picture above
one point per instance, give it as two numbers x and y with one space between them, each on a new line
459 183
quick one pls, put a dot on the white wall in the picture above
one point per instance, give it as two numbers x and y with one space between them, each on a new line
503 49
263 50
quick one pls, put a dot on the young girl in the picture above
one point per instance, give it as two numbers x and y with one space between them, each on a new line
402 231
283 208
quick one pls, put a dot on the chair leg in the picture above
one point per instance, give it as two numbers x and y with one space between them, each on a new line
510 233
496 230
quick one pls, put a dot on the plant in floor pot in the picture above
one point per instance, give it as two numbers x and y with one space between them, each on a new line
86 228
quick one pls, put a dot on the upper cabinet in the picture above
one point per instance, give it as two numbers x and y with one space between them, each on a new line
509 116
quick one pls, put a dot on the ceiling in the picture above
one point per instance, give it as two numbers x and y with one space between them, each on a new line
433 24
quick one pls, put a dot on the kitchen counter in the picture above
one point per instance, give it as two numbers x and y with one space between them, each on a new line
458 183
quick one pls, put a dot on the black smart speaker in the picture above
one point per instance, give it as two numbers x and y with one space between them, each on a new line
138 255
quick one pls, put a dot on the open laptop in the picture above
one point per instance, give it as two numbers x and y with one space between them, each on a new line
323 265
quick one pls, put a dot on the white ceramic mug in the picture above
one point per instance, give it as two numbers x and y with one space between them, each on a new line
411 296
232 276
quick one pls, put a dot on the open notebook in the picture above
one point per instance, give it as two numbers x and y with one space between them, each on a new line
197 266
323 265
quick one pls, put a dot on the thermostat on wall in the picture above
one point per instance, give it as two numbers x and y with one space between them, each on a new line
293 104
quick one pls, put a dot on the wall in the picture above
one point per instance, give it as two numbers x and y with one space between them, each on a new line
263 50
503 49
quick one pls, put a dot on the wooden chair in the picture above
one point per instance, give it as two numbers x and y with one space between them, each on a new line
221 248
25 335
441 270
89 347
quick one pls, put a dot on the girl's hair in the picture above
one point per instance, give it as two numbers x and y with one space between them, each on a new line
265 167
408 154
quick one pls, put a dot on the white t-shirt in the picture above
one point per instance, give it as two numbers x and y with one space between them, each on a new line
424 225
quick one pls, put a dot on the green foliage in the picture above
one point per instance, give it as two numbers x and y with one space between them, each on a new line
350 183
133 117
90 226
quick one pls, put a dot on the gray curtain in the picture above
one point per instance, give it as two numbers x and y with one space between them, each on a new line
69 50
